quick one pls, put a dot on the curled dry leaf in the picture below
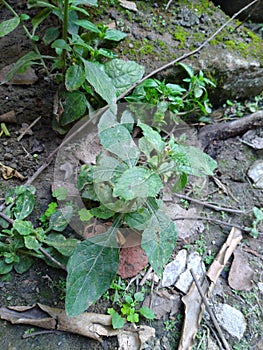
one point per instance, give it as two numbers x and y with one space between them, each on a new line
87 324
9 173
241 275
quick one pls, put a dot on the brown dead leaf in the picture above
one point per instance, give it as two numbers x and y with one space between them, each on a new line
9 173
194 307
87 324
240 275
132 261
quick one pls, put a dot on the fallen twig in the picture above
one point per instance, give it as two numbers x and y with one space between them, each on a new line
208 205
222 131
28 128
179 59
220 333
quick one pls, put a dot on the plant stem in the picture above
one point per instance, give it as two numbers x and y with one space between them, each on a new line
65 30
10 8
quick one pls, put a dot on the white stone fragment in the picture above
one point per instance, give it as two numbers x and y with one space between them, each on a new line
255 173
231 319
174 269
185 280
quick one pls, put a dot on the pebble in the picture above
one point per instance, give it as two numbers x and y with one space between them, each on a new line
231 319
255 173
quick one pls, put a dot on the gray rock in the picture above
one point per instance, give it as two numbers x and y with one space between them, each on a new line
231 319
173 270
255 173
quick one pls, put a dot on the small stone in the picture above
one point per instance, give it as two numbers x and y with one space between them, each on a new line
231 319
255 173
174 269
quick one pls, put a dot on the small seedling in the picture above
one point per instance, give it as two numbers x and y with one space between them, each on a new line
130 311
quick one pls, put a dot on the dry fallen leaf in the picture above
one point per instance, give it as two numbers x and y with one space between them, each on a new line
240 275
9 173
194 307
87 324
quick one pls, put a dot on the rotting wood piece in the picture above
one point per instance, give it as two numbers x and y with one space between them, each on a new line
223 131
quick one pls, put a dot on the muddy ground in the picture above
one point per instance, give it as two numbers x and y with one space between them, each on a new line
46 285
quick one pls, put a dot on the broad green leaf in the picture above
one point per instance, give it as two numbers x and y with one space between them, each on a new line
147 313
56 255
123 73
159 239
40 3
84 214
84 23
101 82
8 213
50 35
39 18
91 269
21 65
118 141
146 147
74 106
60 44
63 245
73 28
258 214
31 243
127 120
8 26
102 212
152 137
116 319
138 220
107 120
24 264
107 53
24 205
114 35
60 193
4 267
187 68
24 228
137 183
106 168
180 183
75 77
191 160
60 219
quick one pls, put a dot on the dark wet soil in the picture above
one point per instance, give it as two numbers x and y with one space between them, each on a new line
45 284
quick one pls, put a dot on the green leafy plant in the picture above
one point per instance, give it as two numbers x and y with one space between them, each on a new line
258 213
83 61
124 187
182 100
130 311
22 242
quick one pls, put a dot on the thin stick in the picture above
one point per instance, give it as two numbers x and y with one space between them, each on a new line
220 333
33 334
168 4
142 282
208 205
28 128
181 58
219 222
43 251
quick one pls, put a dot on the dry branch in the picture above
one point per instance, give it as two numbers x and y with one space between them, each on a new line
222 131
